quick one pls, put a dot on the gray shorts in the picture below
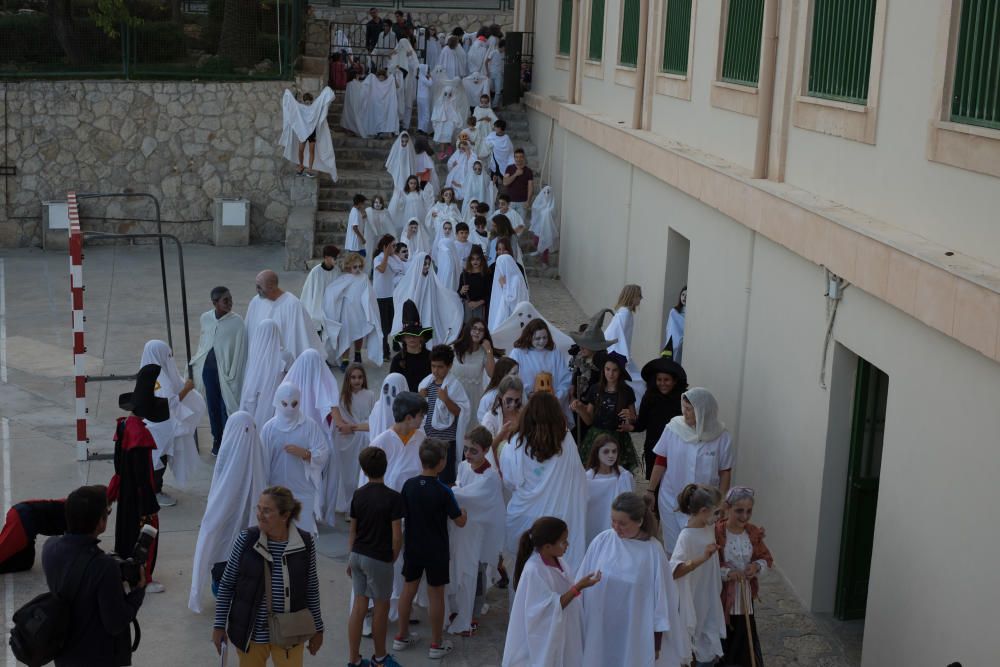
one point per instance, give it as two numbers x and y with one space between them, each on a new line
370 577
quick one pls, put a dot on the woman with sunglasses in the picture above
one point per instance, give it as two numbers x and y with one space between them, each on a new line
744 558
503 418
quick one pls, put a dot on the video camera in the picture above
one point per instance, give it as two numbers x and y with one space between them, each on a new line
131 567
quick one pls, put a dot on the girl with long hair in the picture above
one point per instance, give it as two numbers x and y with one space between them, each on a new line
503 367
350 432
474 285
474 356
608 409
535 352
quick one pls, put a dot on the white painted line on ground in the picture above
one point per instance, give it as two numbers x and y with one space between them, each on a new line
8 584
3 324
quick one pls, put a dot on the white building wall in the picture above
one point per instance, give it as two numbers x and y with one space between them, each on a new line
546 79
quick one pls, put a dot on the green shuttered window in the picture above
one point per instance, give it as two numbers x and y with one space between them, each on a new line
565 26
841 53
741 57
628 54
595 49
975 97
677 37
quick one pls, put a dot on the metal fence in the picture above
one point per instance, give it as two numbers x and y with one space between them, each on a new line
483 5
147 39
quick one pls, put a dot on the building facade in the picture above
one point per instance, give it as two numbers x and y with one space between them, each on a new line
823 177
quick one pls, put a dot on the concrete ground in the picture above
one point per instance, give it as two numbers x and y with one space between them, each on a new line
124 309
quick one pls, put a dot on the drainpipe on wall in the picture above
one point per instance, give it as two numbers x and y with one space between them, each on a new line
640 66
768 58
574 53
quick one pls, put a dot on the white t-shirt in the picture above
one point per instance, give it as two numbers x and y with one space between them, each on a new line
352 241
382 282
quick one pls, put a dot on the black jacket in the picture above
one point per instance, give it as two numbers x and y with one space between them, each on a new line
102 611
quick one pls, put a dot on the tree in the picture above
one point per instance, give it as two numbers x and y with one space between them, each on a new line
238 39
61 15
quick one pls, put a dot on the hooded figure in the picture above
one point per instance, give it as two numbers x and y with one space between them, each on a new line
476 84
425 98
240 476
543 221
174 437
477 185
381 418
414 236
406 205
132 484
315 285
446 116
267 363
404 59
298 451
302 121
476 57
508 331
381 114
440 308
459 166
697 454
453 61
446 260
354 117
509 290
319 395
402 160
351 314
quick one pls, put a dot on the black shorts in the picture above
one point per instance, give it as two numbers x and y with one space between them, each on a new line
436 570
312 137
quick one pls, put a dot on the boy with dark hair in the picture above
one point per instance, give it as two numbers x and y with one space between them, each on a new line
355 239
311 140
462 245
502 148
374 542
428 504
447 406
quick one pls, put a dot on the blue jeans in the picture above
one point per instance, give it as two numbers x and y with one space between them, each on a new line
213 398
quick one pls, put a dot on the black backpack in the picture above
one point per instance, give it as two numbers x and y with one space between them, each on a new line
42 626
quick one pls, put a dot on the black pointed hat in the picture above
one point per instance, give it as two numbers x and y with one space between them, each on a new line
141 401
411 323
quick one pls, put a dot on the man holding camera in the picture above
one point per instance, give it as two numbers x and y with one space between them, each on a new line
98 633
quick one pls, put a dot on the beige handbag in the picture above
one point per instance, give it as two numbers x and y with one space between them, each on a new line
287 629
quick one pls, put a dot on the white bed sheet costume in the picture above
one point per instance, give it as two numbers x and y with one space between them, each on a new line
227 335
378 223
318 394
354 118
478 186
479 541
700 592
351 313
601 492
174 437
380 419
317 280
446 116
239 477
635 598
555 487
439 307
299 121
425 98
292 318
267 364
381 110
347 447
405 58
509 290
417 241
402 160
508 332
540 633
485 117
304 479
406 205
543 221
446 260
458 168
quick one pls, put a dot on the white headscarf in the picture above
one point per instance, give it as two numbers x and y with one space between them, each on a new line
418 243
478 187
288 407
404 56
706 413
543 221
157 352
316 384
439 307
381 419
402 160
240 476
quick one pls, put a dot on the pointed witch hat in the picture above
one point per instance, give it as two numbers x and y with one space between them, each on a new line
141 401
411 323
592 337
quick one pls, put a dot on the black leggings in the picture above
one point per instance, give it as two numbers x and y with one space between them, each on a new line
385 313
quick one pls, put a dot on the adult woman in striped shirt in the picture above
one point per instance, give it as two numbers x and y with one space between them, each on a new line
241 611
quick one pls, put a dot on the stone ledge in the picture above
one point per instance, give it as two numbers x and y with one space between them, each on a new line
300 231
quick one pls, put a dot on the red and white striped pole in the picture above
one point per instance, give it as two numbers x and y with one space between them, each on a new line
79 349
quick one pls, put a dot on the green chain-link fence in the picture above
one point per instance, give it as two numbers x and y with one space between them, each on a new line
146 39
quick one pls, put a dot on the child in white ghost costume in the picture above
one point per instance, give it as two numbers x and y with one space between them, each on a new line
351 314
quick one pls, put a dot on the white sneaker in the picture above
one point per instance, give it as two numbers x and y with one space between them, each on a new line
164 500
366 626
404 643
484 609
438 652
155 587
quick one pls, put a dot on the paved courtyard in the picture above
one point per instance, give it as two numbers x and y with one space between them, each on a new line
124 309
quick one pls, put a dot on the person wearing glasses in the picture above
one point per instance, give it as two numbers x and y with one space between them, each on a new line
504 417
744 558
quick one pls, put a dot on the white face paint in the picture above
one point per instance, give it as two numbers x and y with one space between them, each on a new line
608 454
377 204
540 339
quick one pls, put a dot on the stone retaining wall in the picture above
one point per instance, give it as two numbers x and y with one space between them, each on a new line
184 142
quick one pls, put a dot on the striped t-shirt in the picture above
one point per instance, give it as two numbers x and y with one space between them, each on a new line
261 634
447 434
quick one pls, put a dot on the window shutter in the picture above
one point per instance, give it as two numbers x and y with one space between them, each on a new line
565 27
595 50
741 57
975 98
841 52
677 37
628 54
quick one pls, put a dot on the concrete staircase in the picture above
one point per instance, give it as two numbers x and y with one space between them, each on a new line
361 169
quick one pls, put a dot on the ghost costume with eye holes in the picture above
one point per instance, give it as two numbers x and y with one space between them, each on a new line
174 437
267 362
351 314
543 221
478 186
304 479
402 160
